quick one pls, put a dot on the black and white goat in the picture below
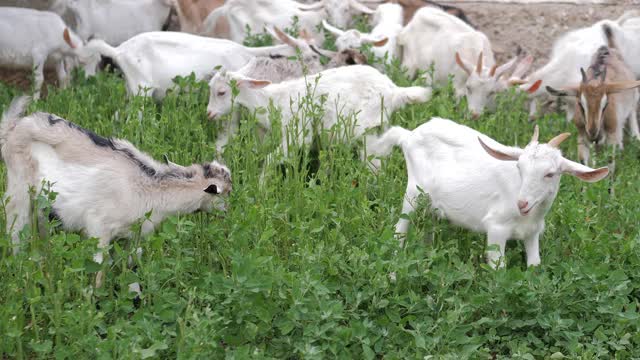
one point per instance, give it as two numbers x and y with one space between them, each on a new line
103 185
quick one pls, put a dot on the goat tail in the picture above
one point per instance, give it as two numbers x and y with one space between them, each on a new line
383 145
410 95
11 115
104 49
608 33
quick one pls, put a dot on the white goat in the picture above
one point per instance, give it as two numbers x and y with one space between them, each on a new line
31 39
115 21
103 185
151 60
454 48
260 14
387 22
357 89
482 185
280 68
605 98
573 51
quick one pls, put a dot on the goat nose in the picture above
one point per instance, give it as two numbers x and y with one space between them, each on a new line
522 204
209 114
475 115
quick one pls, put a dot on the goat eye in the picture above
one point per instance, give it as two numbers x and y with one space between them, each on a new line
221 93
549 175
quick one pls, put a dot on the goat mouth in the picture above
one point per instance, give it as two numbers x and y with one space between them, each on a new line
525 212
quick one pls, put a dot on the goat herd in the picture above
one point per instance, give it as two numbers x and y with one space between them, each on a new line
105 185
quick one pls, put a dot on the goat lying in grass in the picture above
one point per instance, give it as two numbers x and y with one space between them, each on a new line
605 99
103 185
482 185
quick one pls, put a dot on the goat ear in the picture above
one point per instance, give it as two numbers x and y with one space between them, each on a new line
615 87
462 64
67 38
534 87
479 63
253 84
505 154
280 35
561 92
584 173
380 42
212 189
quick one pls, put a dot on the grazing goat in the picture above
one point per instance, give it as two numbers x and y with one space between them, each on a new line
280 68
260 14
103 185
605 98
116 21
573 51
151 60
482 185
32 39
387 22
357 89
457 46
192 13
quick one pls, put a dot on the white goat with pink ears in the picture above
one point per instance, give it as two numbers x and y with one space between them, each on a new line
482 185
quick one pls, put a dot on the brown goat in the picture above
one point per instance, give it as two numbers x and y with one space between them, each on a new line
191 14
605 99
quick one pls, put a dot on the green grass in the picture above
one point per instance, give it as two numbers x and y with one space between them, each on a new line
298 268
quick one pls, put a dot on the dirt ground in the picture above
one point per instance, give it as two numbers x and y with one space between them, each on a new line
534 27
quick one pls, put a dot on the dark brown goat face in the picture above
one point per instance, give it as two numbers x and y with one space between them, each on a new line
592 102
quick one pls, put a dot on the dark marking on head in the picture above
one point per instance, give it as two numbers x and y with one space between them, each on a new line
598 68
211 172
211 189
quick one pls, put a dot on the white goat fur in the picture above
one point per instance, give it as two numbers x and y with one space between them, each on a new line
115 21
151 60
103 185
450 35
357 89
473 189
260 14
32 38
387 21
573 51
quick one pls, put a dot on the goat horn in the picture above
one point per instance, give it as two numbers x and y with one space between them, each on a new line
493 70
536 133
584 75
479 64
556 141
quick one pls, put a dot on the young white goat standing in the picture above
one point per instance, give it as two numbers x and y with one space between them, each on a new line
104 185
482 185
454 48
31 38
151 60
605 98
357 89
280 68
387 22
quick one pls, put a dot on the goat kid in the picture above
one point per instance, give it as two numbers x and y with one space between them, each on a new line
104 185
151 60
357 89
33 39
604 100
387 21
482 185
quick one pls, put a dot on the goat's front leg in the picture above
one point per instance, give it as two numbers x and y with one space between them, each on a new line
408 206
497 235
38 75
532 248
103 244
